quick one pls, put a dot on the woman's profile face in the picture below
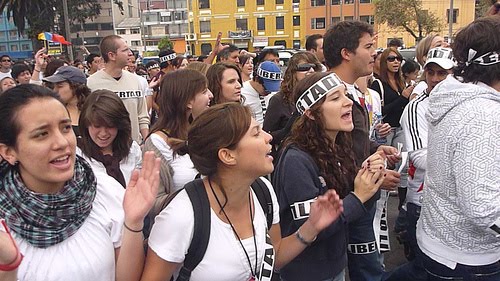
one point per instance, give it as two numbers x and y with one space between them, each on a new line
103 137
45 146
230 86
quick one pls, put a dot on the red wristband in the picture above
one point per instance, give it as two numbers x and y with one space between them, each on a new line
19 257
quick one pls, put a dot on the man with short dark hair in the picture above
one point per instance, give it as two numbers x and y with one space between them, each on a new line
21 73
116 54
314 44
349 52
394 43
267 55
94 63
229 54
5 66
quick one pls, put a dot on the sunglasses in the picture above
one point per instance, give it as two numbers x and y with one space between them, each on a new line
306 66
393 58
5 60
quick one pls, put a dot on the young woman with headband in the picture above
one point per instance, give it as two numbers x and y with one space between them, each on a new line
317 157
240 243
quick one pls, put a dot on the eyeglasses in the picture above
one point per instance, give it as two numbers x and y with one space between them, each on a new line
5 60
393 58
306 66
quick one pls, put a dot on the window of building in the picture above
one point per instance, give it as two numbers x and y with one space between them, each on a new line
335 19
317 23
296 44
3 48
296 20
280 43
25 47
166 18
14 47
348 1
261 23
241 24
280 1
295 1
204 4
369 19
135 43
110 13
91 26
135 31
13 33
280 23
349 18
315 3
365 1
120 31
2 34
335 2
455 15
206 48
183 28
260 2
240 3
106 26
205 27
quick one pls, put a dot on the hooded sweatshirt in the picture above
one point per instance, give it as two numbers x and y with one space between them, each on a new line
462 186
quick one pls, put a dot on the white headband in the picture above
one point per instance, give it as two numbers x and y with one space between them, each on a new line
168 57
317 91
154 66
489 58
262 73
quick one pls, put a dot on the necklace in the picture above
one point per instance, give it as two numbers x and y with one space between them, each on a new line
234 230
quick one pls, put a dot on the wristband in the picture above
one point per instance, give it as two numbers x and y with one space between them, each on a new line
38 70
19 257
302 240
130 229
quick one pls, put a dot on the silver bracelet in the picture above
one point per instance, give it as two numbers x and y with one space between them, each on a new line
302 240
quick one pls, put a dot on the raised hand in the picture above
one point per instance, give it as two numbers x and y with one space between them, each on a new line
325 210
141 191
367 183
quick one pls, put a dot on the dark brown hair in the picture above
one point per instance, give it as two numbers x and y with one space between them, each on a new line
335 162
482 36
178 88
384 72
231 122
105 108
81 91
214 77
290 80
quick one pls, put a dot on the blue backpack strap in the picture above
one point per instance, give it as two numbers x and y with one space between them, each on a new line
201 233
262 192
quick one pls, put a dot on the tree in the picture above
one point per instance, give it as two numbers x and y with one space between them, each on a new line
165 43
482 6
407 15
40 14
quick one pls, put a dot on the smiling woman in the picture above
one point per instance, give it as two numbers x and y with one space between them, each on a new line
59 211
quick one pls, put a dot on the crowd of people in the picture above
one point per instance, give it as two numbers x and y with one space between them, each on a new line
225 168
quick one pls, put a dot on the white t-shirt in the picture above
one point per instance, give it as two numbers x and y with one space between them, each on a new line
127 165
225 259
182 167
419 88
5 74
253 100
89 254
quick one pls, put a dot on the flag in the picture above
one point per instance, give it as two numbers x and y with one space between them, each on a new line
53 38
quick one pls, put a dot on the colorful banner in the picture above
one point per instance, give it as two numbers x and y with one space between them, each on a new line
52 37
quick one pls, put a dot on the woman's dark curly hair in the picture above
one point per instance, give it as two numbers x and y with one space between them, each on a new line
336 162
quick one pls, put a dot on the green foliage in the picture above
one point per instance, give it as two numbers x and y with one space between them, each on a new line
165 43
407 15
40 14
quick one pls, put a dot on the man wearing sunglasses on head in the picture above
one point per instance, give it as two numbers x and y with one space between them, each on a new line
5 66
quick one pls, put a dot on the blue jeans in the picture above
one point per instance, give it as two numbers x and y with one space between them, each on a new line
339 277
414 269
362 252
439 272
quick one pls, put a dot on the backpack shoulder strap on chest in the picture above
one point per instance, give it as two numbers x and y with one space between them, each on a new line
201 232
262 192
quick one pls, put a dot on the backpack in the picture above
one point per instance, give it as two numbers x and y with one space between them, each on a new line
201 233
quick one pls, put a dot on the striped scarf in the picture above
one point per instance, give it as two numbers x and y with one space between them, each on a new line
46 219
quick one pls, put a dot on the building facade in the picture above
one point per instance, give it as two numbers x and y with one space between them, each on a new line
17 46
248 24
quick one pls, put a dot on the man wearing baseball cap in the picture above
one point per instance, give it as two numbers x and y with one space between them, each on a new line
265 82
415 129
67 73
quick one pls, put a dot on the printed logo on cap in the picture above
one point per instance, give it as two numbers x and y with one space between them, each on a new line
153 66
317 91
440 53
262 73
